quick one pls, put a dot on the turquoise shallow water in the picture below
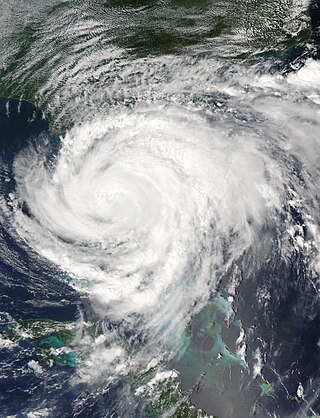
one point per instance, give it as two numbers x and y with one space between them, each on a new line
159 216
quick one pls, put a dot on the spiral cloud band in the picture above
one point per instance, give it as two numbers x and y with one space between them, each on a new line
146 206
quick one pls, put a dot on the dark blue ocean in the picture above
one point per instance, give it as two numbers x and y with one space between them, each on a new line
159 209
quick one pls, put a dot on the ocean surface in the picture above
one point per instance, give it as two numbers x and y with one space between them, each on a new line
159 208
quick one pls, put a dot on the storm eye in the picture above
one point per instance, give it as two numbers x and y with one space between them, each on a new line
159 208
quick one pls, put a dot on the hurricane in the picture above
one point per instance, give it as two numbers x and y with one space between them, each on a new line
159 207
